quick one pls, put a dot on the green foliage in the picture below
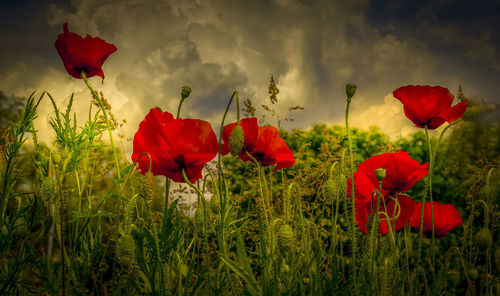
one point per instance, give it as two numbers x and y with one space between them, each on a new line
288 232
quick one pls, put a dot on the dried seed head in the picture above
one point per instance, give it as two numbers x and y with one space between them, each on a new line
48 188
236 140
125 251
330 191
483 239
285 238
186 91
148 186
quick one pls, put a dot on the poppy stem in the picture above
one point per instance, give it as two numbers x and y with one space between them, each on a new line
219 160
351 161
167 193
179 108
98 98
431 164
264 207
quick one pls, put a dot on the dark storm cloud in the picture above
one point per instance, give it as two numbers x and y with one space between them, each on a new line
311 47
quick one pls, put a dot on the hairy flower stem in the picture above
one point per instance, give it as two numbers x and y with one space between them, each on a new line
98 98
263 196
205 213
431 164
179 108
351 161
219 160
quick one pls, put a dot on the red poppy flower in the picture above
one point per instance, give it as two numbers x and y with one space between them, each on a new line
82 54
429 105
262 142
174 144
402 172
446 218
401 209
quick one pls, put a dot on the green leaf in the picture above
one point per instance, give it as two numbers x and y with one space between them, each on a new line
127 169
252 286
117 181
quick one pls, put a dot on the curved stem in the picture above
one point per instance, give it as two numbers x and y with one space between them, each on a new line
98 98
179 108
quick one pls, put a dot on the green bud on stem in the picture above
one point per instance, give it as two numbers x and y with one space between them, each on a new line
350 90
186 91
236 140
380 173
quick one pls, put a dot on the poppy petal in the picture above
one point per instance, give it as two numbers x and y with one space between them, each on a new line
82 54
174 145
423 103
453 113
446 218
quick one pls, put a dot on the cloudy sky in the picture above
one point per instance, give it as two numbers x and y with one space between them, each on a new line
313 48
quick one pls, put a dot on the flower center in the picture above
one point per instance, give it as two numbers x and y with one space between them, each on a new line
179 159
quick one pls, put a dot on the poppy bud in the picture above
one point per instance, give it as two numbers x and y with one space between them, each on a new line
186 91
371 222
285 238
380 173
473 274
48 188
329 191
125 251
452 278
148 186
56 157
236 140
350 90
483 239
